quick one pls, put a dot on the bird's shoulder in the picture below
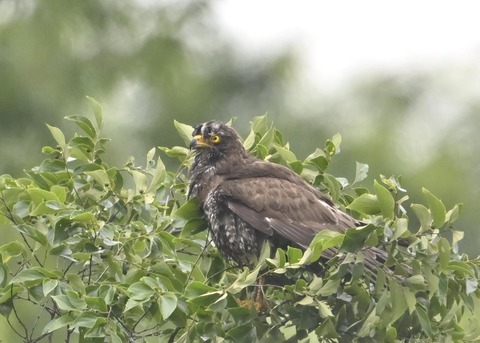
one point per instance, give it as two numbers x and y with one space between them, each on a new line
252 167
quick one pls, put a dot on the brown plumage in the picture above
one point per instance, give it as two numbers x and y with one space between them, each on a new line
247 200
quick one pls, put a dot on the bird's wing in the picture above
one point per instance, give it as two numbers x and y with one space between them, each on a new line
273 205
295 233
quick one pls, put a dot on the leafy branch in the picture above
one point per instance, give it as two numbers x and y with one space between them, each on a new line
120 254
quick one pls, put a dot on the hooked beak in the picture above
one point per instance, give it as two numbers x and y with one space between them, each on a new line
198 141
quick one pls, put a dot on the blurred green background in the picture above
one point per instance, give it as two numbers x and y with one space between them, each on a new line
150 62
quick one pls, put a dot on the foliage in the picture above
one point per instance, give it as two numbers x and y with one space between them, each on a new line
120 254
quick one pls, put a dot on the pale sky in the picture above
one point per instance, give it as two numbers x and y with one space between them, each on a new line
340 38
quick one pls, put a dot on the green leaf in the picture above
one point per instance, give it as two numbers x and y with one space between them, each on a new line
44 208
365 203
385 200
187 211
359 191
100 176
49 285
96 303
3 274
294 255
326 329
416 281
39 196
140 291
332 146
401 226
423 215
140 180
333 185
259 124
84 217
398 300
471 285
57 135
361 172
84 123
21 209
443 253
63 302
424 321
305 301
82 148
69 301
323 240
185 131
437 208
369 323
457 236
410 299
167 303
75 282
97 111
286 154
390 334
150 155
330 287
60 192
158 176
12 249
85 319
9 292
279 260
355 238
242 334
324 309
107 293
58 323
177 151
296 166
97 331
243 280
317 159
432 284
241 315
48 150
32 274
261 150
454 213
249 142
267 139
461 268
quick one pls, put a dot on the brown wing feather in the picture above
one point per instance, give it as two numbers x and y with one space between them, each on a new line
301 235
293 210
250 216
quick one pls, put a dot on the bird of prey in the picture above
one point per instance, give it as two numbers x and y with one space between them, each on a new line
247 201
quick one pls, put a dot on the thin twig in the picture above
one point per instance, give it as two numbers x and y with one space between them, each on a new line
174 333
19 320
141 317
12 219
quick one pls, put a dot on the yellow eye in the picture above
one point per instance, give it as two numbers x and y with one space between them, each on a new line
215 138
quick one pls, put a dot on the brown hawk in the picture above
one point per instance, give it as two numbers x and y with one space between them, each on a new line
247 200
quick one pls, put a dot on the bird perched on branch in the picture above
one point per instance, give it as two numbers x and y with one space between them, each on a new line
247 201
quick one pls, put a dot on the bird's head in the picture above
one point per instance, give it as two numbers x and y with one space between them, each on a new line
216 139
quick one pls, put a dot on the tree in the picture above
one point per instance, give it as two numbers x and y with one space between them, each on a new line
104 253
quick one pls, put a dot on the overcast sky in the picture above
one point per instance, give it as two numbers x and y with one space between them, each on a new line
341 38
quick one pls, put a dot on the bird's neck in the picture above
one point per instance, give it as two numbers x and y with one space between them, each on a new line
207 172
202 176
